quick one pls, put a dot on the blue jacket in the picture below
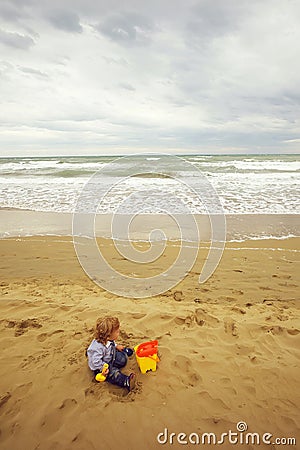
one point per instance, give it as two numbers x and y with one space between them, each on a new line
98 354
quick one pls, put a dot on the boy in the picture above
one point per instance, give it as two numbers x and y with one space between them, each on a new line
103 349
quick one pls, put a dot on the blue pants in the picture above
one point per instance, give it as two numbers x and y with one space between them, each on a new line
115 376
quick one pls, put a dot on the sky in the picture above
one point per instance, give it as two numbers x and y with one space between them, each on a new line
86 77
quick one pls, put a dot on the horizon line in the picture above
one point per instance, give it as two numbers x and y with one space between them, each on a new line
150 153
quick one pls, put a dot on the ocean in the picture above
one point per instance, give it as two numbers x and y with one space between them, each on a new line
244 184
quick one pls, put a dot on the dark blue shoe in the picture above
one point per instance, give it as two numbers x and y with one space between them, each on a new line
130 381
128 351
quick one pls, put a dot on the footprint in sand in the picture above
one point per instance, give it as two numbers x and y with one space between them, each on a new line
89 391
188 320
21 326
202 317
4 398
13 399
125 336
248 384
212 404
43 336
238 309
227 385
282 317
286 284
178 296
237 292
32 360
225 381
182 366
289 423
78 335
251 390
285 277
230 327
249 304
293 331
73 360
52 421
138 315
65 307
22 389
166 316
276 329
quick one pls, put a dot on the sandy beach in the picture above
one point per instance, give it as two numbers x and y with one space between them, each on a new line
149 171
229 351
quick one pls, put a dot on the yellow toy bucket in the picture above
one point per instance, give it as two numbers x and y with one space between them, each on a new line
146 356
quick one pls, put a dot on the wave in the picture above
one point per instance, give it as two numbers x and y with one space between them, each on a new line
151 175
245 184
71 173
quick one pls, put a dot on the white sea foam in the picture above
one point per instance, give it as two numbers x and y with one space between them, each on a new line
245 184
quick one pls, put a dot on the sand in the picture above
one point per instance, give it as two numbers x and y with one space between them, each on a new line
22 222
229 351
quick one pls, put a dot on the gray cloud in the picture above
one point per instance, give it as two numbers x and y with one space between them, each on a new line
192 74
127 28
16 40
5 69
217 18
33 72
65 20
22 3
9 12
127 87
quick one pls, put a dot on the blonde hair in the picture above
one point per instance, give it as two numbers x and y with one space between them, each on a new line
105 327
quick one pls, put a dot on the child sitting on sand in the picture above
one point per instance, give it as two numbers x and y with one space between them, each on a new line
103 349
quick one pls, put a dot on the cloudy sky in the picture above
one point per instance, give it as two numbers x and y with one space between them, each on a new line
185 76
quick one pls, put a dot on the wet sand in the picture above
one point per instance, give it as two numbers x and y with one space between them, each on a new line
18 222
